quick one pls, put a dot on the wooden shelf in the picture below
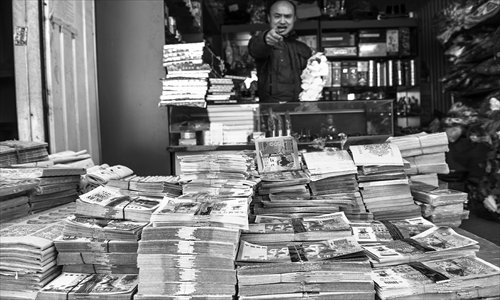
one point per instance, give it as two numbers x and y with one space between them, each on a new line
300 25
327 24
351 140
359 24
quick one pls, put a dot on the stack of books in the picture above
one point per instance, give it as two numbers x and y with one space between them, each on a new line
97 245
442 206
90 286
14 197
466 277
387 231
302 270
55 185
221 90
433 244
107 202
186 82
231 124
215 166
27 252
275 229
383 183
149 186
333 178
425 154
23 153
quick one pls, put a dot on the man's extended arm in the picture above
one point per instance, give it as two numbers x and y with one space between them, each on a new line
257 46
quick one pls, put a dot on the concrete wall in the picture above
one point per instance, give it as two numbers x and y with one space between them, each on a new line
130 37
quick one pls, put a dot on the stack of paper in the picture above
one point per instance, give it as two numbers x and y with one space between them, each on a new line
102 174
434 243
111 203
309 269
186 80
425 152
383 184
14 197
90 286
27 252
190 248
221 90
386 231
23 153
466 277
72 159
334 280
442 206
100 245
272 229
333 177
55 186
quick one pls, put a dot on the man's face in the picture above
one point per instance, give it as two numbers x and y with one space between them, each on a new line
282 17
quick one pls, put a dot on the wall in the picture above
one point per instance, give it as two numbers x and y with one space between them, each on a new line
130 38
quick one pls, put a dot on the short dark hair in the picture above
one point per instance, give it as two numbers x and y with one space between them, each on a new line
272 2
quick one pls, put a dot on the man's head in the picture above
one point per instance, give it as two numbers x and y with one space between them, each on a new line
282 16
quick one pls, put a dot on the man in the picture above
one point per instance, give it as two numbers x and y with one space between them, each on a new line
279 57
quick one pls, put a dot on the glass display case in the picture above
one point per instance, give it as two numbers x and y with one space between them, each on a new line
230 125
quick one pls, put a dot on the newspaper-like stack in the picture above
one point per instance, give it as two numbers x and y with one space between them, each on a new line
55 185
27 252
90 286
221 90
98 244
23 153
152 186
434 243
384 231
274 229
333 177
301 270
466 277
442 206
14 197
425 154
186 82
111 203
190 247
383 183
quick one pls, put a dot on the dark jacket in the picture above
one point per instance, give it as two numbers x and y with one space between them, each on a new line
279 69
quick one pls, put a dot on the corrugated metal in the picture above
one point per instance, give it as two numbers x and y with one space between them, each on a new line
431 55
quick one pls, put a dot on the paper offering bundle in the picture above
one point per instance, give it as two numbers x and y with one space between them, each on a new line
277 154
467 277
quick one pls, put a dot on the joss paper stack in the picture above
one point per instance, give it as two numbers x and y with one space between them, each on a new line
383 183
23 153
333 178
186 82
425 153
465 277
442 206
27 252
301 270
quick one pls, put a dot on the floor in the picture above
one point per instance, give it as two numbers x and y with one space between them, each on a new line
484 228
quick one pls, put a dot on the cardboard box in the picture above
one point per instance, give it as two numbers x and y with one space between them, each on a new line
372 36
341 51
338 39
372 49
